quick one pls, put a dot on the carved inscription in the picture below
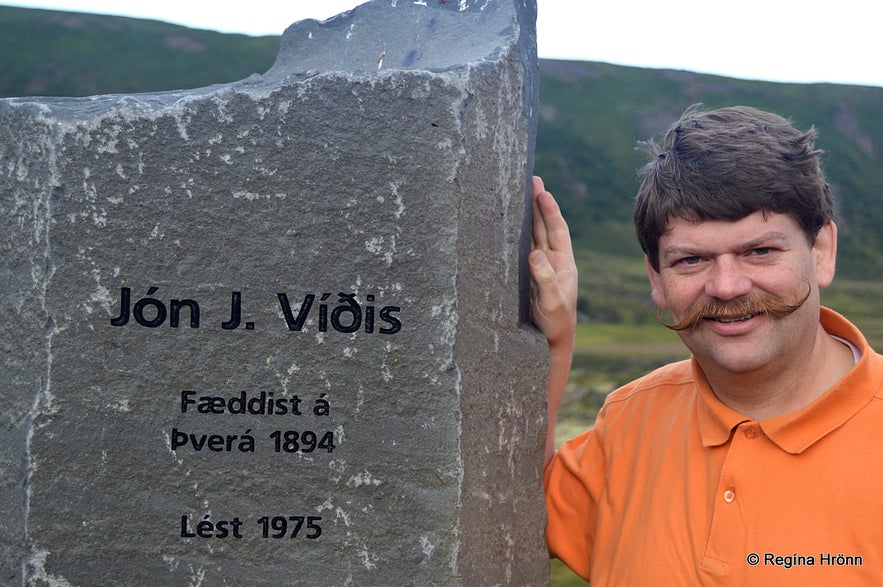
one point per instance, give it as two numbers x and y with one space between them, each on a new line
346 314
260 404
295 421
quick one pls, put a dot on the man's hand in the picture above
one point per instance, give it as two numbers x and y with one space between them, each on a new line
553 303
553 299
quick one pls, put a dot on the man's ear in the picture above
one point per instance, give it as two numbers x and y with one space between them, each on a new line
656 291
825 253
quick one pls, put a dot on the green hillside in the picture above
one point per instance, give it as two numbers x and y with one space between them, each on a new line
591 117
49 53
593 114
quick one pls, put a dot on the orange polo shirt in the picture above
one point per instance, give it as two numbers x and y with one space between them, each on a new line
671 487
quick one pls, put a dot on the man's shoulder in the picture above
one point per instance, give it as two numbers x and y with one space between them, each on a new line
669 380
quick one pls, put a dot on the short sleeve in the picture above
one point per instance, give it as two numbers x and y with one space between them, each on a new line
573 481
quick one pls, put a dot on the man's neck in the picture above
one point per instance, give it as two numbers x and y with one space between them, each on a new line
775 391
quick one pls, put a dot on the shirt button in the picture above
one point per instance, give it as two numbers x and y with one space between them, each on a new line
729 495
750 431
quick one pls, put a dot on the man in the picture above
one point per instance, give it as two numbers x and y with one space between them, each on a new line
759 461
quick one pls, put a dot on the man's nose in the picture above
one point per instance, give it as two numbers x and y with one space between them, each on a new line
728 279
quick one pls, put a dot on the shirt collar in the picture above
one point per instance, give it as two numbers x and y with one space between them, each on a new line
716 421
797 431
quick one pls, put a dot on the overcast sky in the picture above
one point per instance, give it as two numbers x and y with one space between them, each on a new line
774 40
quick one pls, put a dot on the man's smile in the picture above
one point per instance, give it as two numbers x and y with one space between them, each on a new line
727 320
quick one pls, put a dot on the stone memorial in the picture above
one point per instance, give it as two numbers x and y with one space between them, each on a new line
276 332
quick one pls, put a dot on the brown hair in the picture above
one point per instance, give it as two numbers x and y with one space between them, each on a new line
726 164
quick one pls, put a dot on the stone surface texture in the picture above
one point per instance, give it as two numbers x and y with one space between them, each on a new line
341 239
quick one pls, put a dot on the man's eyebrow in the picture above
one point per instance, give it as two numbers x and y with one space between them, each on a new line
773 236
675 251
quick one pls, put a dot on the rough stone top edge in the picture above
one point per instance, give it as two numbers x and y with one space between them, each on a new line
65 114
429 35
370 42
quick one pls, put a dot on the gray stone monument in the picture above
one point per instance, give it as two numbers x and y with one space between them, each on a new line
275 332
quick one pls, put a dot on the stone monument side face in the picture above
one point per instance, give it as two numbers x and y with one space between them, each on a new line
503 369
24 357
268 333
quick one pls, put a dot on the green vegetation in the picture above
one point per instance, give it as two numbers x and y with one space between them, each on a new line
592 116
561 576
49 53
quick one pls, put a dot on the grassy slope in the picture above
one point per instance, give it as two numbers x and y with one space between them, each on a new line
50 53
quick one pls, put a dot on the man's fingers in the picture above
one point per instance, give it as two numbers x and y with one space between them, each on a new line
548 290
557 232
550 230
539 226
540 268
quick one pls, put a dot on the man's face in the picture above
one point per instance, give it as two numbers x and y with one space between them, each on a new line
749 261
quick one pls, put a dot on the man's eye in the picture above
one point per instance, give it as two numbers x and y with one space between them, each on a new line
690 260
762 251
